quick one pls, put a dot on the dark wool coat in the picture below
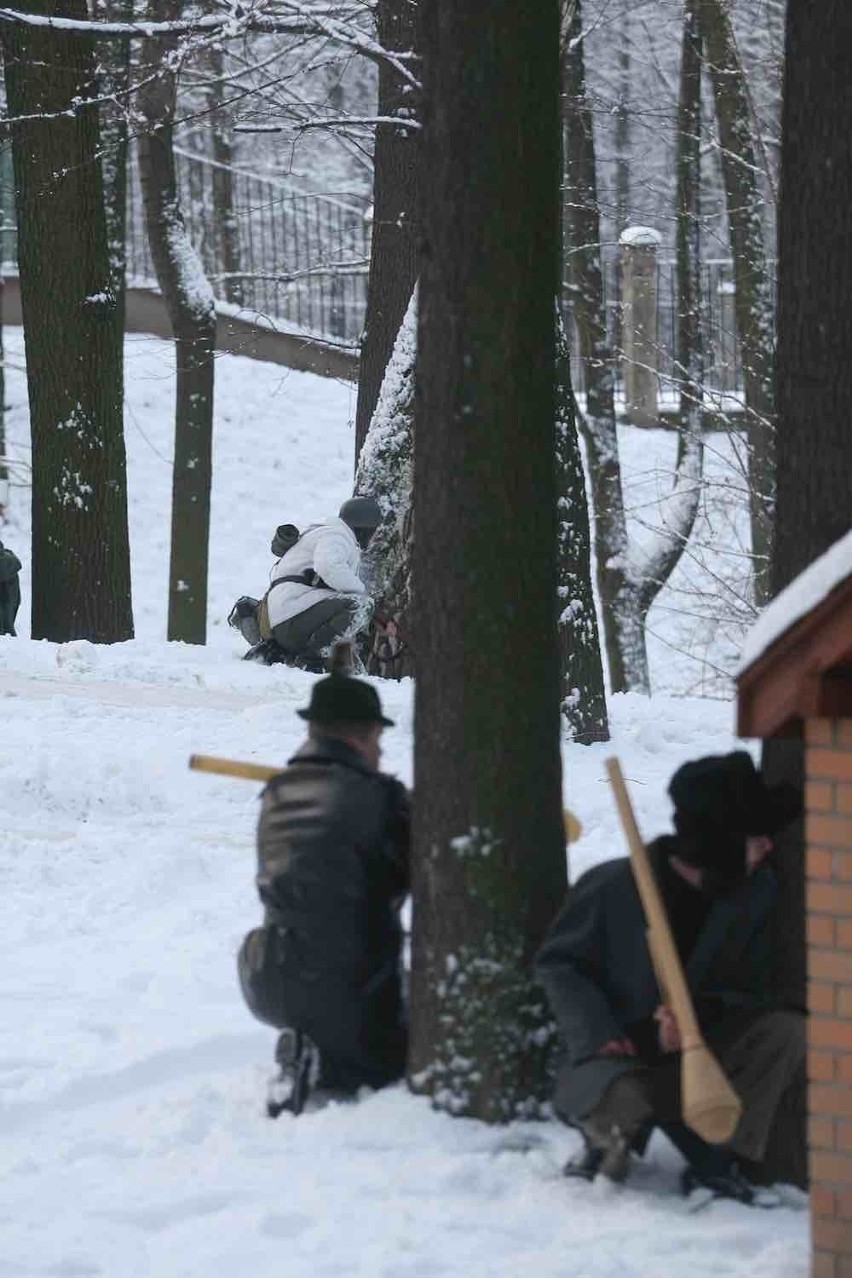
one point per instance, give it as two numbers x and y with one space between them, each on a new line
596 970
10 590
333 842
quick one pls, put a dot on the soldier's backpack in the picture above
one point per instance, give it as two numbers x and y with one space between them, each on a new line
259 963
249 615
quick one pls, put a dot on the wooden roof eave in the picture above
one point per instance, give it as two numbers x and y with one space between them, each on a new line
806 673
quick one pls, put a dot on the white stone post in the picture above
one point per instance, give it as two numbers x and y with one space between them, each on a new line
639 249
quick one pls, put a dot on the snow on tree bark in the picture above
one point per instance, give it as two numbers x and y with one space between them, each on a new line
190 304
489 865
385 468
583 687
73 338
396 195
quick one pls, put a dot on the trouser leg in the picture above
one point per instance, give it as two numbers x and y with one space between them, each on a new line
762 1055
313 631
361 1035
762 1062
618 1122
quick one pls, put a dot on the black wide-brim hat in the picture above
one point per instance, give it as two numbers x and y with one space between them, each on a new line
341 699
725 792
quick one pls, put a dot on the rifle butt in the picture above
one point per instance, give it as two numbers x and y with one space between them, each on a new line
709 1104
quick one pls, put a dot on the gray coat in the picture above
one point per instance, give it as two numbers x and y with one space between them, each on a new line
596 970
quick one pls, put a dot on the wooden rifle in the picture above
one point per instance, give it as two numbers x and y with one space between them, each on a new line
264 772
709 1104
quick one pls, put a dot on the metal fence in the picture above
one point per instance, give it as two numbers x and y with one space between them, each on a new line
721 355
302 259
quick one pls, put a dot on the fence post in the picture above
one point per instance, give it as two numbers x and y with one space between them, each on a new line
639 247
728 345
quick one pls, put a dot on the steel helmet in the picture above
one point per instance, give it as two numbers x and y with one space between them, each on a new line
362 514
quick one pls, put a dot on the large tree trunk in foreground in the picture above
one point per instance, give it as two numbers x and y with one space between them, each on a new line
814 380
396 193
189 301
80 555
489 856
753 298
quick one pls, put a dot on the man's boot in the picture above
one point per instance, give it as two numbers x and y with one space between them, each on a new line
612 1127
297 1059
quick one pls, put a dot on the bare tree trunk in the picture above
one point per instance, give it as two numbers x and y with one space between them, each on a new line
396 194
630 577
753 299
489 856
688 225
4 470
189 301
114 82
814 397
624 635
622 122
584 710
224 214
80 554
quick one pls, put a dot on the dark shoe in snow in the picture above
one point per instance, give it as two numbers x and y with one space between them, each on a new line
584 1166
310 664
267 652
297 1059
615 1124
612 1146
703 1187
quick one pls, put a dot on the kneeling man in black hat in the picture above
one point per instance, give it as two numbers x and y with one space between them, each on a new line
333 851
621 1072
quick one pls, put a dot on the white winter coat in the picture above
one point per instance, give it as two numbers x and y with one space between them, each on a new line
332 551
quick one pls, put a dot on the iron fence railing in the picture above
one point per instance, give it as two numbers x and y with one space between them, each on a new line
721 353
302 259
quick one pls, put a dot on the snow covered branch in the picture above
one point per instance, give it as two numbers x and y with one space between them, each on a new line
294 19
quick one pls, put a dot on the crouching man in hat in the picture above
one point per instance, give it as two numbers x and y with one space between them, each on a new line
10 590
621 1071
333 848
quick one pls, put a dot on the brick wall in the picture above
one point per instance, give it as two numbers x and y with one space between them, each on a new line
828 832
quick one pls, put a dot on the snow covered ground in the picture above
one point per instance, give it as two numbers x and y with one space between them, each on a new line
132 1079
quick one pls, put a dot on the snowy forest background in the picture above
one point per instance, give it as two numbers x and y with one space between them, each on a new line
272 139
214 220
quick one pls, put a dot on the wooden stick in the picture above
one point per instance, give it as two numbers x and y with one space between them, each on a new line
709 1104
232 767
263 772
